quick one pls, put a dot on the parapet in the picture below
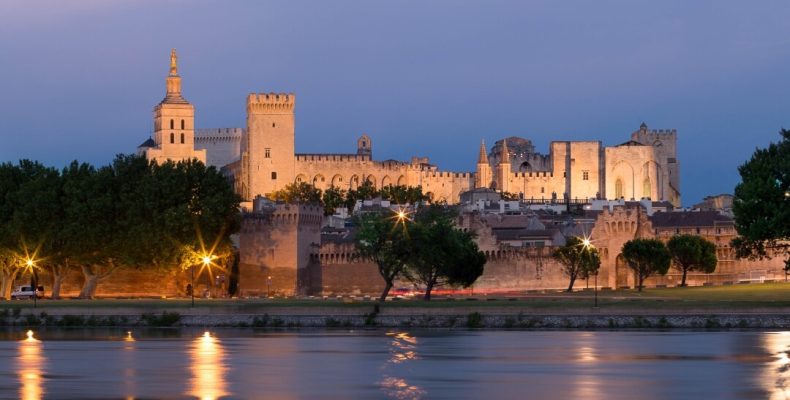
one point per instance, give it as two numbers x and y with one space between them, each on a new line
270 102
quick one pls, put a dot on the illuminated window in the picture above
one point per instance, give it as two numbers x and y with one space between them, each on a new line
182 138
182 124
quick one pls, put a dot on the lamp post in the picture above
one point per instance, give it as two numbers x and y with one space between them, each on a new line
269 286
31 265
587 244
192 292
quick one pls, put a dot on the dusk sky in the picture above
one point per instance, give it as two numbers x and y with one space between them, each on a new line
429 78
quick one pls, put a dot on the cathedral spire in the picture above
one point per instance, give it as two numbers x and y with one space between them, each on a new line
482 158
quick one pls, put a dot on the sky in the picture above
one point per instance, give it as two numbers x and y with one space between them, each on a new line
79 80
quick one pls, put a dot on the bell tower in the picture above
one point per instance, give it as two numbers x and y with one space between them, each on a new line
174 123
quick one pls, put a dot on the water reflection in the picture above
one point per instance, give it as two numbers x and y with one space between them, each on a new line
587 383
207 364
31 363
777 375
402 348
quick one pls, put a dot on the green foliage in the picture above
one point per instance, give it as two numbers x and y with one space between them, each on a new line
508 196
384 239
646 257
474 320
162 320
692 253
298 192
762 203
577 259
332 198
442 254
400 194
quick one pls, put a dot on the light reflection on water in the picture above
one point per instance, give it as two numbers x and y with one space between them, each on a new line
31 364
396 365
402 349
777 374
207 364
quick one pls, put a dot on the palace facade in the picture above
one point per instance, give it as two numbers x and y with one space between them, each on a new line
262 158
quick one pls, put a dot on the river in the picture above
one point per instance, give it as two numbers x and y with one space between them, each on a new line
393 364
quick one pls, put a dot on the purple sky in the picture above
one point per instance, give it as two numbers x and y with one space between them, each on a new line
432 78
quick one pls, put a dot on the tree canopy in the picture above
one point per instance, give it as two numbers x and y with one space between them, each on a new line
578 259
692 253
130 213
646 257
762 203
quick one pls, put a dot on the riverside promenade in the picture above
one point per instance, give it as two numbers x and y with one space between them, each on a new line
747 306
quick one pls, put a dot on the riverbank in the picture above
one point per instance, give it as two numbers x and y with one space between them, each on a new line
757 306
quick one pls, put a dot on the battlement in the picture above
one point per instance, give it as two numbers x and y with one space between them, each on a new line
270 102
332 157
535 174
279 215
218 135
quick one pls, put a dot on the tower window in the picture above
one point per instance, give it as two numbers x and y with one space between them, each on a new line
274 175
267 153
182 138
172 124
564 174
182 124
364 144
585 175
272 124
172 137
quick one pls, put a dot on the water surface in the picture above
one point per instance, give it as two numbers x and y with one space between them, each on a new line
408 364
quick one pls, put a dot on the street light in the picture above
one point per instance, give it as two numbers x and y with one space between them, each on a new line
587 245
31 266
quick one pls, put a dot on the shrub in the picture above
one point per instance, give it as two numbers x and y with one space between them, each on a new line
474 320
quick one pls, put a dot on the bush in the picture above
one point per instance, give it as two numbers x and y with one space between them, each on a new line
165 319
260 322
474 320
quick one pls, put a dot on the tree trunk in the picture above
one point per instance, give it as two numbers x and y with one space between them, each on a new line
683 278
57 281
641 280
7 283
387 287
428 289
570 285
91 282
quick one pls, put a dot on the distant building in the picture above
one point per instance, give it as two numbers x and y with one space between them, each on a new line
261 158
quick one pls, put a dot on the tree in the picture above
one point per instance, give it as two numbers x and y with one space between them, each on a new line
762 203
442 254
692 253
384 239
298 192
646 257
579 260
332 199
12 179
508 196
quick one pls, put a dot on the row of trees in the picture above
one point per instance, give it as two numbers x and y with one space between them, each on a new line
334 197
129 214
645 257
425 248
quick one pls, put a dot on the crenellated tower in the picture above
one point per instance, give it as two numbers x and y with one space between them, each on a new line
664 143
483 174
174 123
269 160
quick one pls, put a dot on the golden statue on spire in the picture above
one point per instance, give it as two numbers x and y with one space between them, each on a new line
173 62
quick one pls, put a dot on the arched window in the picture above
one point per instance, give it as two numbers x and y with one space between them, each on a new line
172 124
618 188
182 138
182 124
646 188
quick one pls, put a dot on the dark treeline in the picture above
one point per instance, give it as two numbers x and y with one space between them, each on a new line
129 214
334 197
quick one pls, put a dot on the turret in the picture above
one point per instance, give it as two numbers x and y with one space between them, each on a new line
503 169
483 175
